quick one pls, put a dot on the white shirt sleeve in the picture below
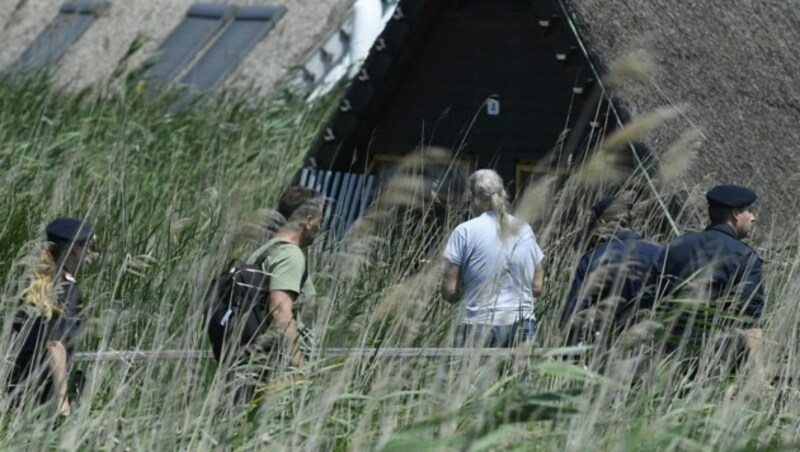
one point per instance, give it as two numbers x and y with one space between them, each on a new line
455 250
538 255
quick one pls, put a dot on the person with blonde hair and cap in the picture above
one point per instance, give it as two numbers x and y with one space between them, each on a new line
49 317
493 265
611 273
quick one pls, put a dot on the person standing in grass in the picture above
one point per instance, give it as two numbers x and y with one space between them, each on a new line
49 318
609 277
290 290
493 265
716 267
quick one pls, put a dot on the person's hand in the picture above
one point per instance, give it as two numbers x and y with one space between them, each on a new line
754 340
64 409
297 359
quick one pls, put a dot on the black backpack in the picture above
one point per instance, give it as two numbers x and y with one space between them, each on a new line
237 300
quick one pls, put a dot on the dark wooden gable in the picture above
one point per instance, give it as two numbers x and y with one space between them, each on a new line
495 81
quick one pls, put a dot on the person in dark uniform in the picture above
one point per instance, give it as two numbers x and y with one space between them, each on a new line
49 317
610 275
714 265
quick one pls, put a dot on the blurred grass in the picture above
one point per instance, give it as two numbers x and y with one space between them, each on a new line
167 194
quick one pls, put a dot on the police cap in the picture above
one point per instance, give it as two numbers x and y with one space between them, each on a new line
733 196
69 230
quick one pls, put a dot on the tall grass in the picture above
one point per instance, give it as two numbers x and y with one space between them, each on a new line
169 196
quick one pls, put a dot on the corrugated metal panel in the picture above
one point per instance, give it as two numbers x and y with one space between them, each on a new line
348 197
329 207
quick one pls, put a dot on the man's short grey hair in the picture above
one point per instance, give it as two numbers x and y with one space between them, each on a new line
309 208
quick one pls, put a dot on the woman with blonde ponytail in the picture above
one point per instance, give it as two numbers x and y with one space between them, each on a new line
49 317
495 263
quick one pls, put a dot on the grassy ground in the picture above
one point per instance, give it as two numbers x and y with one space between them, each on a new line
172 198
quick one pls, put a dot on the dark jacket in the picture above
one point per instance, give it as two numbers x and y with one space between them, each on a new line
35 331
622 263
723 265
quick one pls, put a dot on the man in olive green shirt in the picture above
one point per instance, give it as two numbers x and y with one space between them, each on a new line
286 264
291 291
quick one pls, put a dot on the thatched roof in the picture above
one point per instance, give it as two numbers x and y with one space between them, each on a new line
734 64
93 58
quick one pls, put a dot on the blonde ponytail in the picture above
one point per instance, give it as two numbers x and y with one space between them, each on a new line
39 297
500 207
488 191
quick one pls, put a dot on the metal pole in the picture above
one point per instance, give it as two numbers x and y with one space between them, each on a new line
146 355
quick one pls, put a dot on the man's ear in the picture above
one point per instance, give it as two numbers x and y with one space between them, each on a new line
305 224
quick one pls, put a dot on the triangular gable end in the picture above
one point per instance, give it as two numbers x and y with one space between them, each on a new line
497 82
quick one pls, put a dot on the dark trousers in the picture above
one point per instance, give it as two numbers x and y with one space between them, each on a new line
495 336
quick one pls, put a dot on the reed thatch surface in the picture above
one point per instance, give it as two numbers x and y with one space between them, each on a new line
734 63
93 59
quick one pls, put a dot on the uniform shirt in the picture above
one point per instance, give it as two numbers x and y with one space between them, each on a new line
67 327
725 267
619 266
63 327
496 273
34 331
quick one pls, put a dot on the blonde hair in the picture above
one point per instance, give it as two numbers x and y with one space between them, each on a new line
40 294
488 191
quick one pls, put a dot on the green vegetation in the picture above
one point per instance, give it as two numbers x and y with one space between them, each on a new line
173 198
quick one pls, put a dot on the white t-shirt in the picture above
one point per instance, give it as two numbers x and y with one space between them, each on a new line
496 273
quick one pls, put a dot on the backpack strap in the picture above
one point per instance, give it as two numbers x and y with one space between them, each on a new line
260 255
304 278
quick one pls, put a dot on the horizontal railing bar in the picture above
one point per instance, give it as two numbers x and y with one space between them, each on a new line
137 355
